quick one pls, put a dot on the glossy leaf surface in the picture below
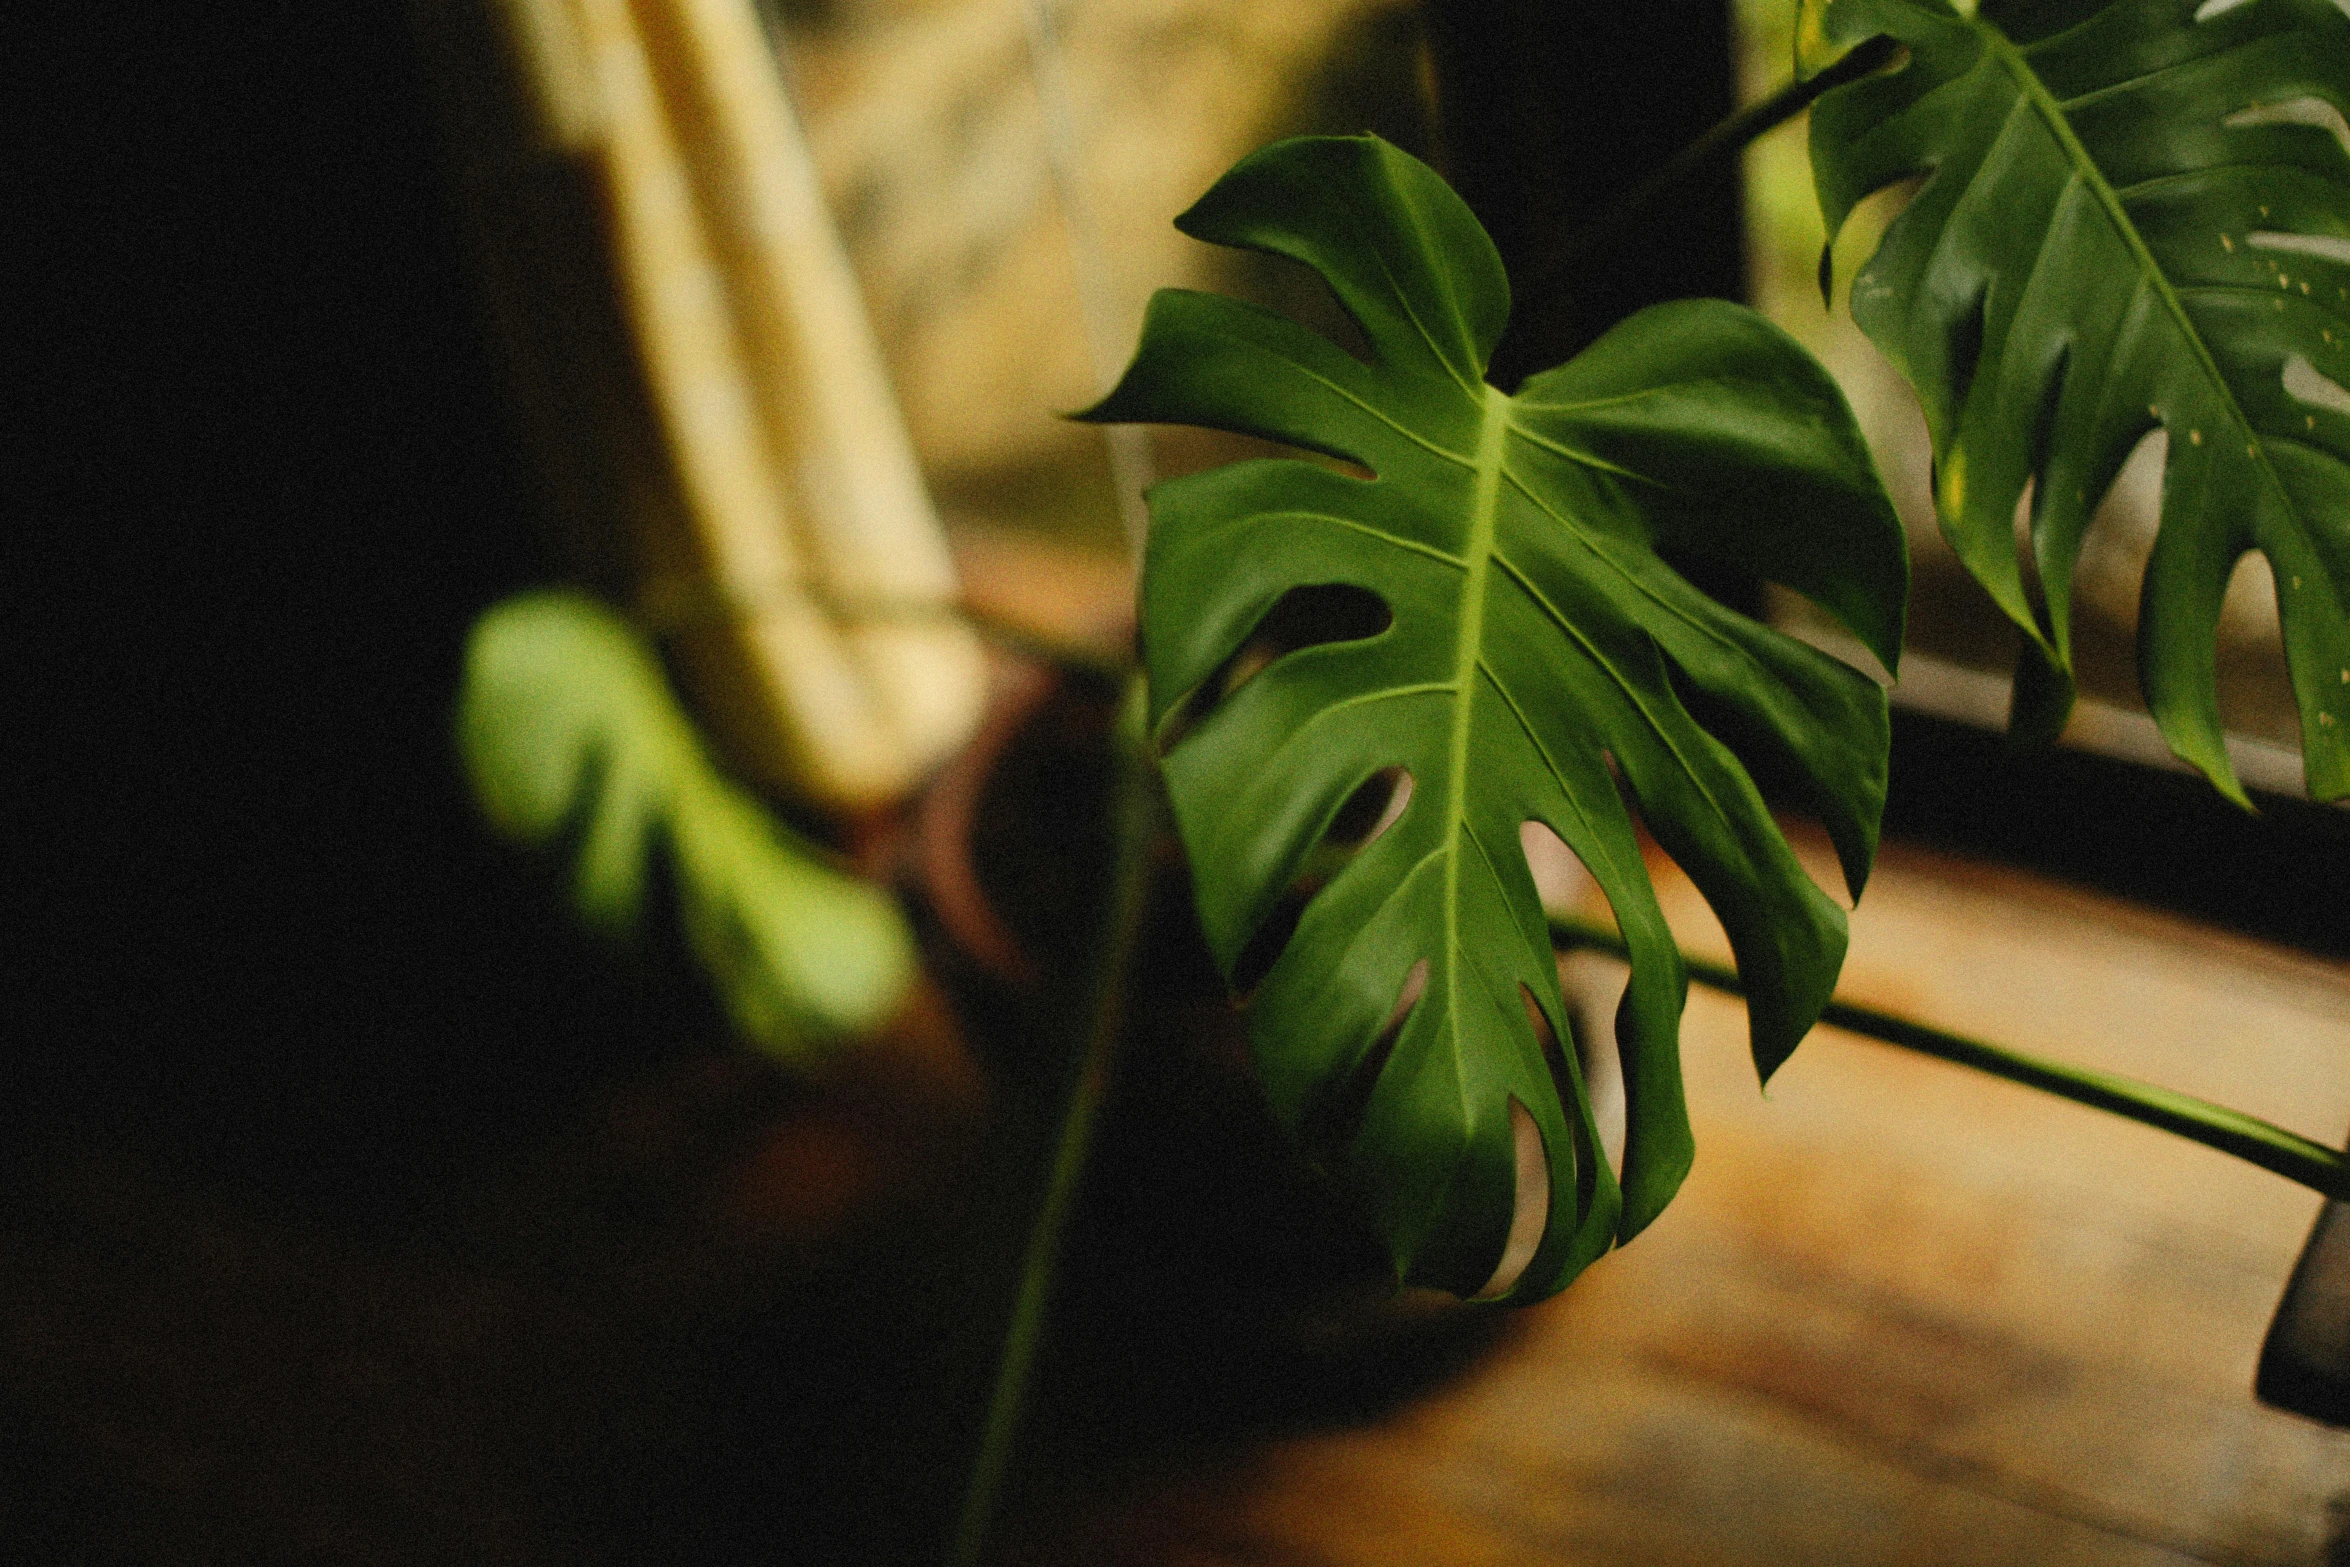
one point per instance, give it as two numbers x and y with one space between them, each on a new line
1539 663
2134 215
571 737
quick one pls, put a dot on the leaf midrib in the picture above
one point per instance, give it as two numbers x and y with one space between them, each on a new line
1468 651
2092 178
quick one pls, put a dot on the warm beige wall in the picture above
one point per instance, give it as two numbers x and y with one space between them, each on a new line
926 123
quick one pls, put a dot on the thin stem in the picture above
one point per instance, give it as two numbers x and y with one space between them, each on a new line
1728 136
2249 1138
1137 822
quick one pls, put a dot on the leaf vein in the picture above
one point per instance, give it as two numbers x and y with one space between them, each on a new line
2035 93
1550 765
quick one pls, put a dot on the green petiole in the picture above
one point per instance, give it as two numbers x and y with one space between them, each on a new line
2249 1138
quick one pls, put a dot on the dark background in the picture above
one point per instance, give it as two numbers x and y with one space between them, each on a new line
262 485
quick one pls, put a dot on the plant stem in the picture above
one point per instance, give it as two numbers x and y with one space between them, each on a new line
1728 136
2249 1138
1136 807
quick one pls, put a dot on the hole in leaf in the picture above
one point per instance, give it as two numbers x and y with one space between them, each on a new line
2027 504
1544 1035
2248 612
2307 109
1336 462
1415 985
1370 810
1844 261
2305 382
1531 1215
1374 807
1329 1128
2211 8
1562 1083
1965 351
1559 877
1264 948
1317 613
1593 984
1303 617
2027 562
1590 983
2255 686
2120 536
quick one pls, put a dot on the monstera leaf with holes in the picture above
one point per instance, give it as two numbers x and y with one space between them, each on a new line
573 741
1540 663
2134 215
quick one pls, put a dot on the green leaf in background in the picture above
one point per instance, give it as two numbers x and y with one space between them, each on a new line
2136 214
570 735
1540 664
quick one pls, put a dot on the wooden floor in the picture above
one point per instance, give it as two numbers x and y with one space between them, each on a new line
1900 1313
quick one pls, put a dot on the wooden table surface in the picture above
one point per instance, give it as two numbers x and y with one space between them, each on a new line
1900 1313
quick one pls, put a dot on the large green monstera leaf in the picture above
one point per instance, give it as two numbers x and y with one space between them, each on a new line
1538 662
2135 214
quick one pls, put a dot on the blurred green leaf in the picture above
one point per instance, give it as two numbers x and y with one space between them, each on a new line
572 739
